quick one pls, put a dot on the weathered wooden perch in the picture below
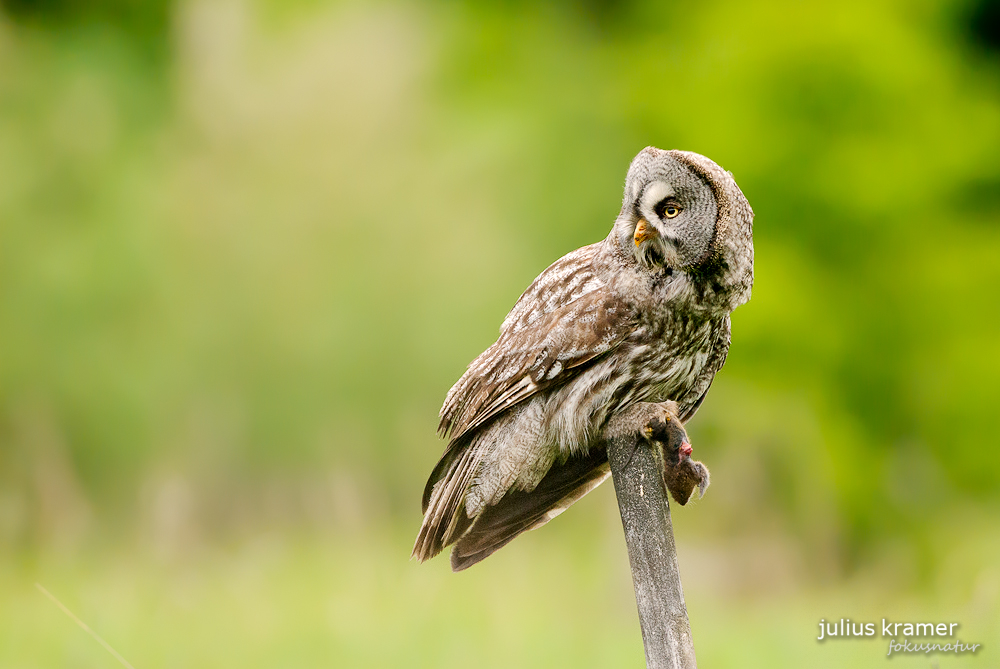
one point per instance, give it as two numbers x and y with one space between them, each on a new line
649 534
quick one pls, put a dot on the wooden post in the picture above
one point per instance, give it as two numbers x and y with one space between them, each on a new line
649 534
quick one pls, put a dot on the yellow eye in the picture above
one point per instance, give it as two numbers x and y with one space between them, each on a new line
671 211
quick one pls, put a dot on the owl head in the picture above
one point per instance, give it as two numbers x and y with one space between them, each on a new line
681 210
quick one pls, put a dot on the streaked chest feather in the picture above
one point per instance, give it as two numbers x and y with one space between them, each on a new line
665 362
654 364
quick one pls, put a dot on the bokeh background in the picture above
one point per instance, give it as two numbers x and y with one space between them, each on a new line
246 246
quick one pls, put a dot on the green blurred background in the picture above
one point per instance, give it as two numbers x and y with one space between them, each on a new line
246 246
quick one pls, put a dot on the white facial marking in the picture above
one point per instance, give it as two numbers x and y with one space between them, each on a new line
656 192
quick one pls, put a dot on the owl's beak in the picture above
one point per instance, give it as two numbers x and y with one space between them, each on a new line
643 231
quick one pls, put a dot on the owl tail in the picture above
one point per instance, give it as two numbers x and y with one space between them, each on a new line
445 518
446 521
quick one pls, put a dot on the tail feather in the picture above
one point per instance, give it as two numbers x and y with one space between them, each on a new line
519 511
446 520
441 470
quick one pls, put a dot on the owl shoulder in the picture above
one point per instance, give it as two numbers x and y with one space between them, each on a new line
564 281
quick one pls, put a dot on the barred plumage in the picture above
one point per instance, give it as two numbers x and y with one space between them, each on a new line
642 316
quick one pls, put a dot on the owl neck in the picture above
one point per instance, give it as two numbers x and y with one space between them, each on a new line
714 287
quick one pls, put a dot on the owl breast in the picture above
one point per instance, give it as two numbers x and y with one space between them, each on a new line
672 360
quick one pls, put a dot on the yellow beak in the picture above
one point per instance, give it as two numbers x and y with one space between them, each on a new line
643 231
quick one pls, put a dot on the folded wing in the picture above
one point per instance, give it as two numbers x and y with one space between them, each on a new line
565 320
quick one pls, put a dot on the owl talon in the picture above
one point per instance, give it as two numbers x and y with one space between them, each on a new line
656 429
664 424
681 474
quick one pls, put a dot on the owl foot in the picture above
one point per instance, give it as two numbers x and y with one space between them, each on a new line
662 429
681 474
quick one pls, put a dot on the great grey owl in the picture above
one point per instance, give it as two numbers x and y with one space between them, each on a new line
642 316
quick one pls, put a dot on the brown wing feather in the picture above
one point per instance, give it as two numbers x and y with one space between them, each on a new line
563 281
548 353
520 511
444 514
561 322
557 348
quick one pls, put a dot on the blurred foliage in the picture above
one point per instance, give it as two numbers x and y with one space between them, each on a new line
238 277
144 24
312 603
985 22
